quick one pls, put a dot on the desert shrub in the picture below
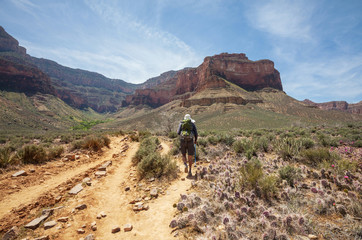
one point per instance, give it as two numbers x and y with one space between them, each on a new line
134 137
172 134
343 165
95 143
202 142
263 144
55 152
326 140
148 145
5 157
106 141
307 143
66 138
212 139
144 134
155 165
289 173
314 157
32 154
248 147
175 147
269 185
251 173
226 139
77 144
288 148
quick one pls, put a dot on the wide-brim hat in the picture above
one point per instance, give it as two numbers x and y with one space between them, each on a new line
188 117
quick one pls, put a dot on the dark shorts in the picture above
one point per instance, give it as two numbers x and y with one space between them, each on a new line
187 146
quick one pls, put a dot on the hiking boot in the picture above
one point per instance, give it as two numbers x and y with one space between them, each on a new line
189 175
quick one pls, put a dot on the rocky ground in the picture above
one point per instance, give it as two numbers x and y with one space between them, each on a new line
88 197
99 196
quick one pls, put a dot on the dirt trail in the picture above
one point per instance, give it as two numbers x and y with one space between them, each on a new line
30 194
108 194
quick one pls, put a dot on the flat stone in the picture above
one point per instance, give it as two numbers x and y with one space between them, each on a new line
116 229
151 179
127 227
49 224
127 188
99 216
81 207
11 234
76 189
104 166
80 231
20 173
87 179
32 170
90 237
63 219
57 199
311 236
154 193
42 238
37 221
101 173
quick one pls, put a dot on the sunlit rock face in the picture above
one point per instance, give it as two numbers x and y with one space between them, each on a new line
212 73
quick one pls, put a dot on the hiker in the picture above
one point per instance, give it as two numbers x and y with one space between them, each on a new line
188 132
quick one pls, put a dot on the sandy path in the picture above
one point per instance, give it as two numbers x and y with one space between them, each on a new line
109 195
30 194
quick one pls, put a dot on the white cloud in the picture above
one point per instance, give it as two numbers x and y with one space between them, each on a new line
282 18
326 80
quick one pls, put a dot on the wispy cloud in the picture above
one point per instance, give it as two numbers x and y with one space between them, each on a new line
282 18
339 78
25 5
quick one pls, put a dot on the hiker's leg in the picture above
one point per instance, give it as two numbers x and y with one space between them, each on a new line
190 162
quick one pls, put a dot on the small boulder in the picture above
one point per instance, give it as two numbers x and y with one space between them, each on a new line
116 229
76 189
80 231
81 207
11 234
154 193
127 227
63 219
42 238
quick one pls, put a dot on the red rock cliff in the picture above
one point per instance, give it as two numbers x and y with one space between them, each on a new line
235 68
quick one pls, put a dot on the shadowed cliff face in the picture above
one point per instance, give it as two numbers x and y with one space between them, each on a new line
212 73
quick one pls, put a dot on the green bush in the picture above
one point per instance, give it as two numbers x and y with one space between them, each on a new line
314 157
263 144
269 185
148 145
32 154
287 148
93 143
289 173
212 139
155 165
251 173
226 139
248 147
55 152
77 144
5 157
202 142
172 134
307 143
175 147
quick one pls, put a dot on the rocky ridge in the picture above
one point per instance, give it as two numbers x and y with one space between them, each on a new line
216 72
355 108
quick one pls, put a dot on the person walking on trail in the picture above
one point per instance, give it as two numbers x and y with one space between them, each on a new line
188 137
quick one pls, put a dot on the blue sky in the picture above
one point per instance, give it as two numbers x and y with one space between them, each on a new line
315 44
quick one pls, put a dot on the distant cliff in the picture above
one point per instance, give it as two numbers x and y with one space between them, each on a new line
355 108
212 73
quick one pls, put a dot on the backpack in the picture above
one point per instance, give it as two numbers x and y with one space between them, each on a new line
186 129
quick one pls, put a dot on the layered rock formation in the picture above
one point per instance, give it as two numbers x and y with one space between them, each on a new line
214 72
337 105
10 44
